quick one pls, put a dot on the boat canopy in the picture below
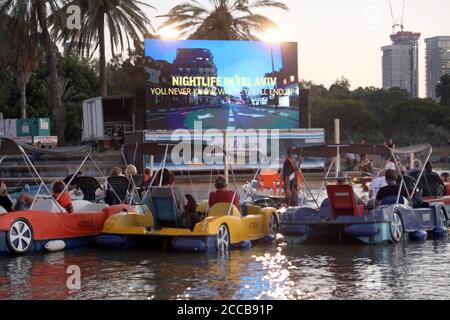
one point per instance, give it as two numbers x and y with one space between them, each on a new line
154 148
332 150
10 147
413 149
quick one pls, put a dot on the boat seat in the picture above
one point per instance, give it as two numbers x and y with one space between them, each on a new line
342 201
48 205
164 208
222 209
80 206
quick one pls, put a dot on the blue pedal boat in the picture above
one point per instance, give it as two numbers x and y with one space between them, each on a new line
340 217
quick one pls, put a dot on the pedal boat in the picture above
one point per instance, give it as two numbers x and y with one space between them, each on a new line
339 217
224 227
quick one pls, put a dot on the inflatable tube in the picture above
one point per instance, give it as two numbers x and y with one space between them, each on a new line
362 230
189 244
56 245
440 232
110 241
294 230
419 235
269 238
244 245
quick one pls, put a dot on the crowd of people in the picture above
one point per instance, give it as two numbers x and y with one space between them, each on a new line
386 183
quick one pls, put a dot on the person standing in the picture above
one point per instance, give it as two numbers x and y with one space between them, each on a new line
289 176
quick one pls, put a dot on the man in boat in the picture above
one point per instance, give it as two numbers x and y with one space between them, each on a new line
416 169
377 184
391 190
222 194
431 183
289 176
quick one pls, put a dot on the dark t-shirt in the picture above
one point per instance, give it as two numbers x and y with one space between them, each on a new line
389 191
6 203
289 172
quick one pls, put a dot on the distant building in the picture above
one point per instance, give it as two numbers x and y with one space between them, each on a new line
194 62
197 62
438 62
401 62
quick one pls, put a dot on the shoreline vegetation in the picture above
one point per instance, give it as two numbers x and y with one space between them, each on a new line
32 64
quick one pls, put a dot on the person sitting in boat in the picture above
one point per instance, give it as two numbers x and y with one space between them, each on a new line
61 195
416 169
431 183
391 190
185 203
445 177
222 194
23 202
71 180
131 171
377 184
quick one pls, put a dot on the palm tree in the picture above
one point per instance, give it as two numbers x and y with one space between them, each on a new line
125 20
222 20
37 13
22 54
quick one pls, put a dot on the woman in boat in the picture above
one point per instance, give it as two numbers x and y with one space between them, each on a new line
23 202
185 203
61 195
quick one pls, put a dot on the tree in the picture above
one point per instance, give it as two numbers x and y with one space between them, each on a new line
124 20
38 13
340 89
22 54
443 90
222 20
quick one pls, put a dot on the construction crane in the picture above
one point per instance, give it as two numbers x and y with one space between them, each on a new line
397 22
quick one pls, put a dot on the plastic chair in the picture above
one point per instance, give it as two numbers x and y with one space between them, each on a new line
88 185
269 180
342 201
117 190
164 208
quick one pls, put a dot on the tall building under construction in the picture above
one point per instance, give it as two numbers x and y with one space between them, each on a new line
401 62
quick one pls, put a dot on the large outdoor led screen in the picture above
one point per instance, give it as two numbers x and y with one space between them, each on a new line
203 84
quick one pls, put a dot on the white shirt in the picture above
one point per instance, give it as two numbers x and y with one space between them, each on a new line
390 166
376 185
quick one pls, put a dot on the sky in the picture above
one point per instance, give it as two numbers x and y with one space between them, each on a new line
254 59
344 37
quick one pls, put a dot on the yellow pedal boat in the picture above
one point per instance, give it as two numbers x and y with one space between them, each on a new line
224 227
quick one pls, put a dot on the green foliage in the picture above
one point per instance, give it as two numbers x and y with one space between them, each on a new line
376 114
221 19
79 81
443 90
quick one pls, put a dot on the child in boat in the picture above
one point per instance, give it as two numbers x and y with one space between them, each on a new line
61 195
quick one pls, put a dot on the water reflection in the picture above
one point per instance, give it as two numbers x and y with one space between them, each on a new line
412 271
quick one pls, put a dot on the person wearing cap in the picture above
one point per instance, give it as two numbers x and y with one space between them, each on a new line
222 194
